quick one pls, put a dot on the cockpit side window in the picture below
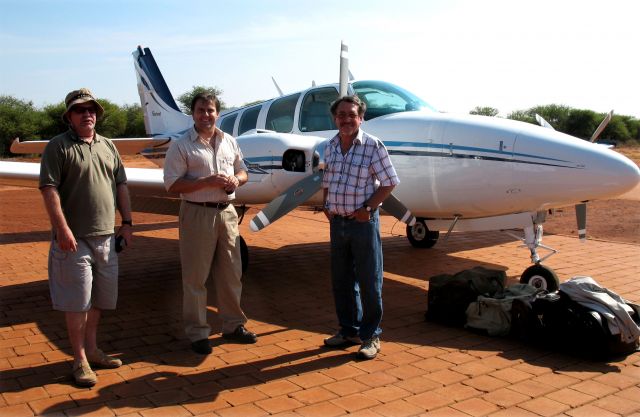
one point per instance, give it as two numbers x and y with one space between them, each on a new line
280 114
315 113
226 125
249 119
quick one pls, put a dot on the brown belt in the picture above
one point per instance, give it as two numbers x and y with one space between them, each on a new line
219 206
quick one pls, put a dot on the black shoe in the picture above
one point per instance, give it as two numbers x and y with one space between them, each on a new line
241 335
201 346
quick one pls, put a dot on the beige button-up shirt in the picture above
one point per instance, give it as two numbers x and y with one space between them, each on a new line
193 157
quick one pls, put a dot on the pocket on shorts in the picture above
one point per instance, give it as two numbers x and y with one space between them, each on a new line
57 253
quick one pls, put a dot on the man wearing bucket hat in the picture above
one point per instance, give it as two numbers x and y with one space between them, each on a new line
82 181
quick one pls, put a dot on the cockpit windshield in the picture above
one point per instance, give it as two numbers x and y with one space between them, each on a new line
385 98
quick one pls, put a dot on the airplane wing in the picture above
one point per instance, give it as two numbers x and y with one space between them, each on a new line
141 181
128 146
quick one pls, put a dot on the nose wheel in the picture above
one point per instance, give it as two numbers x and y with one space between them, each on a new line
541 277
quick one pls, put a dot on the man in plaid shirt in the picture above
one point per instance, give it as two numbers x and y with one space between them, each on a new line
358 177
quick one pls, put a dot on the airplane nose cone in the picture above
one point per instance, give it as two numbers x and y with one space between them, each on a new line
619 173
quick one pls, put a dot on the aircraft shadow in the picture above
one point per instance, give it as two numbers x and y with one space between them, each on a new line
287 297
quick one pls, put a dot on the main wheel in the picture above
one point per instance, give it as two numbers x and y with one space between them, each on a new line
420 236
541 277
244 254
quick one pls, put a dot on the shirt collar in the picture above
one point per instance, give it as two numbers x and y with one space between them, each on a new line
194 136
74 136
358 139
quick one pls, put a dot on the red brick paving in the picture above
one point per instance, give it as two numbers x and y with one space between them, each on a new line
423 369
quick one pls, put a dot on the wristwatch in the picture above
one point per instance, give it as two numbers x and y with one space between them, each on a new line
129 222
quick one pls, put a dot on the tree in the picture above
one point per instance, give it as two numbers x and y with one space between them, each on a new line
485 111
185 99
18 118
135 121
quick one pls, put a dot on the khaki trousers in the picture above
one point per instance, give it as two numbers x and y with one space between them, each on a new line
210 246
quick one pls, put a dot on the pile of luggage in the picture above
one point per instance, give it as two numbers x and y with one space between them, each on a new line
581 317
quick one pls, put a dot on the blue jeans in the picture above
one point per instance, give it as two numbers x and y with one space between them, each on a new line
356 275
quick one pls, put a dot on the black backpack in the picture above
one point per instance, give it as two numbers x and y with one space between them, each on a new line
450 295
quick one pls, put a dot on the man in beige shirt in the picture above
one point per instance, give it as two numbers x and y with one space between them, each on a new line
205 166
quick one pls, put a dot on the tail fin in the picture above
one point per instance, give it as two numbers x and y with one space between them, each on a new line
162 117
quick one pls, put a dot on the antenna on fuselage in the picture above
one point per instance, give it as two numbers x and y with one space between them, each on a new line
344 68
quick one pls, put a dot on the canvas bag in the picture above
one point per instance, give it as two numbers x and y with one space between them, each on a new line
493 314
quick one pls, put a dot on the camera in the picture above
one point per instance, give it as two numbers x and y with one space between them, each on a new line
120 244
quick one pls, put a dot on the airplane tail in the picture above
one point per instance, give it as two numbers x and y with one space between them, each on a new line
162 116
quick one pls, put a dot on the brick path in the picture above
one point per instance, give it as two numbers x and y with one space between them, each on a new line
423 369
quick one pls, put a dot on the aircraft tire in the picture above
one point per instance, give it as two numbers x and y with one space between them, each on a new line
541 277
244 254
420 236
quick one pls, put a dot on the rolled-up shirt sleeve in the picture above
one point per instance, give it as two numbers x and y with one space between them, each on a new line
238 163
175 164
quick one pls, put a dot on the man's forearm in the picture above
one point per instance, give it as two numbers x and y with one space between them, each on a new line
123 201
380 195
54 208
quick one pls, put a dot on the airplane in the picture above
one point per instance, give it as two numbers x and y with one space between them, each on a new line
457 172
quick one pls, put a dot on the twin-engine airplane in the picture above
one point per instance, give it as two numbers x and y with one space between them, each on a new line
457 172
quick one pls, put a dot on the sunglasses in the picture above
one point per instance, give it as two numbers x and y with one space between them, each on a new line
81 110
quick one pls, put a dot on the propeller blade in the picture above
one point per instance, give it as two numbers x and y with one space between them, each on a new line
344 69
581 218
601 127
394 207
277 86
297 194
543 122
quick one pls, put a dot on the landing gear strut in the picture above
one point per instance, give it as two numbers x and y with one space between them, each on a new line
538 275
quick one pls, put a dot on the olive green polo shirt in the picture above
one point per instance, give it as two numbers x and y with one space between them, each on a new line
86 176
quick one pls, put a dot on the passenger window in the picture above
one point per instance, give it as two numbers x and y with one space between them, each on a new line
315 113
227 123
280 114
249 119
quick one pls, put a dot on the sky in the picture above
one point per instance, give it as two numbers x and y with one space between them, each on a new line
454 54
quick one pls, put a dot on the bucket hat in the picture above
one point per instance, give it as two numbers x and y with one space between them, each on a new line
83 95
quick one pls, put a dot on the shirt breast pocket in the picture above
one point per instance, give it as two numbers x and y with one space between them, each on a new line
226 165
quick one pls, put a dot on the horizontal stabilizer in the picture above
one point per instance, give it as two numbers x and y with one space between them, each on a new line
129 146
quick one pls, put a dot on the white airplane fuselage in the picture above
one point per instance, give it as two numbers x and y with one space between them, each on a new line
459 166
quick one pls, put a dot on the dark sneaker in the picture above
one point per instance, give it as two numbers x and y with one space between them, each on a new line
339 340
369 348
84 376
240 335
201 347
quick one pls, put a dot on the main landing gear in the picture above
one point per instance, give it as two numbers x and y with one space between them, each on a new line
420 236
537 275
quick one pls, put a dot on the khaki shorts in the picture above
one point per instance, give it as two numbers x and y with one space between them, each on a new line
86 278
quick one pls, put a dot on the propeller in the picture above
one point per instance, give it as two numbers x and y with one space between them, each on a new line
277 86
301 191
295 195
602 126
543 122
581 218
344 69
394 207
